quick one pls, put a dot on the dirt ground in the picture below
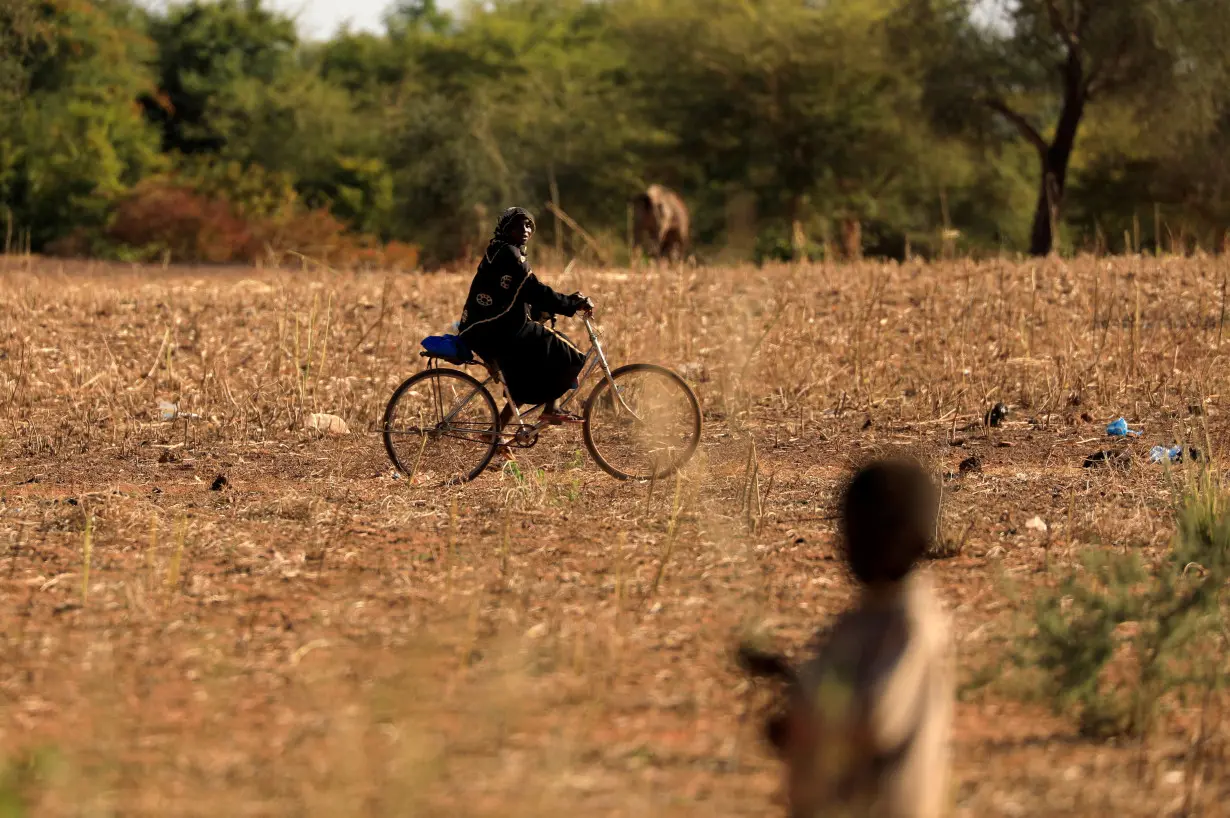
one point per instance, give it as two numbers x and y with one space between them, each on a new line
317 637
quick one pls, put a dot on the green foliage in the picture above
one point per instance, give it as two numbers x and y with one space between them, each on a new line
20 776
445 166
358 191
18 34
1050 65
1143 52
875 111
232 86
250 189
76 141
776 244
215 59
1133 167
364 65
801 104
534 90
1112 640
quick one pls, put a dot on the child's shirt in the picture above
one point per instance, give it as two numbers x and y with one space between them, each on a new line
882 690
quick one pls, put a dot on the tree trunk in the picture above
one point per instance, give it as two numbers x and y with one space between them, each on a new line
1055 158
798 241
852 238
1046 211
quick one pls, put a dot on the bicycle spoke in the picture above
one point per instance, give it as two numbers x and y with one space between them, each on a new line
442 429
647 426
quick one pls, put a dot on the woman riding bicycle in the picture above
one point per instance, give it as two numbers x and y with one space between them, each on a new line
443 423
537 363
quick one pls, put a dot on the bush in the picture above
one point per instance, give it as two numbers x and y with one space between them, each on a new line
1114 640
317 236
314 234
253 191
165 219
397 255
777 244
170 220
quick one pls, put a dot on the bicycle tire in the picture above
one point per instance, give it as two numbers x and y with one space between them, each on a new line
604 384
439 372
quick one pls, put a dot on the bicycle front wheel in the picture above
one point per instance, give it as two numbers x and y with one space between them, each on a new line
647 428
441 424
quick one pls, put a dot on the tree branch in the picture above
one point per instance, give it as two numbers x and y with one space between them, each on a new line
1070 32
1082 19
880 185
1109 72
1026 128
1059 24
603 258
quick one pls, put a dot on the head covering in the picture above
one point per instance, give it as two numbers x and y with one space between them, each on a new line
503 228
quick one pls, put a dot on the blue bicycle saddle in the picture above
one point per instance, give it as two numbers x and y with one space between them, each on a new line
448 348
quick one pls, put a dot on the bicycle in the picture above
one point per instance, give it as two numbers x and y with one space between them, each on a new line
646 409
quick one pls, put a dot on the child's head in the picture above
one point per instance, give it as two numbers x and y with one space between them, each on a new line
888 516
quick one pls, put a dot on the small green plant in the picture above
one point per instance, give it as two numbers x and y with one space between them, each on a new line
20 777
1111 641
12 805
571 490
529 488
945 545
776 244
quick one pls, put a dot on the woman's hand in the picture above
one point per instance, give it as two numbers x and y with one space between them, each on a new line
584 304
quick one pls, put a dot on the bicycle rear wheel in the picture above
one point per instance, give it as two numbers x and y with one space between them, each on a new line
441 423
648 428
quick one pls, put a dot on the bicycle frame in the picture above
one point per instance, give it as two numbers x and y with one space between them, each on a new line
594 357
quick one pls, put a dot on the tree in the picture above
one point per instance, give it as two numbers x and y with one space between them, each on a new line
422 15
357 191
74 141
445 176
1162 183
562 116
805 105
489 111
18 31
207 51
365 65
236 87
1052 59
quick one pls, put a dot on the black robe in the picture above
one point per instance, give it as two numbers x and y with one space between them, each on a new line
538 363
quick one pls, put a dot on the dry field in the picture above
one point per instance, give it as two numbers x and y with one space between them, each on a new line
318 638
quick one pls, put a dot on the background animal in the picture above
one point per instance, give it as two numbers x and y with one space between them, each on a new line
661 222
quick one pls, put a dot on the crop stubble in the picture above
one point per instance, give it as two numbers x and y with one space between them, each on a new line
317 637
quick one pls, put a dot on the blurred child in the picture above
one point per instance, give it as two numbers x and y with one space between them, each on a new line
866 723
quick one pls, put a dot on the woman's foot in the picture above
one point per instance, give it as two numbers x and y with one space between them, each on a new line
559 417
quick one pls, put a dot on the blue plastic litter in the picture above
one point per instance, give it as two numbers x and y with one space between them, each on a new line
1120 429
1160 454
447 347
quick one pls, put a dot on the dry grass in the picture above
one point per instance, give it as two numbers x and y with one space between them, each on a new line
319 638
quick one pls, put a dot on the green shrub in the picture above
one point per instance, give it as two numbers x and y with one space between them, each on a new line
1111 642
776 244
